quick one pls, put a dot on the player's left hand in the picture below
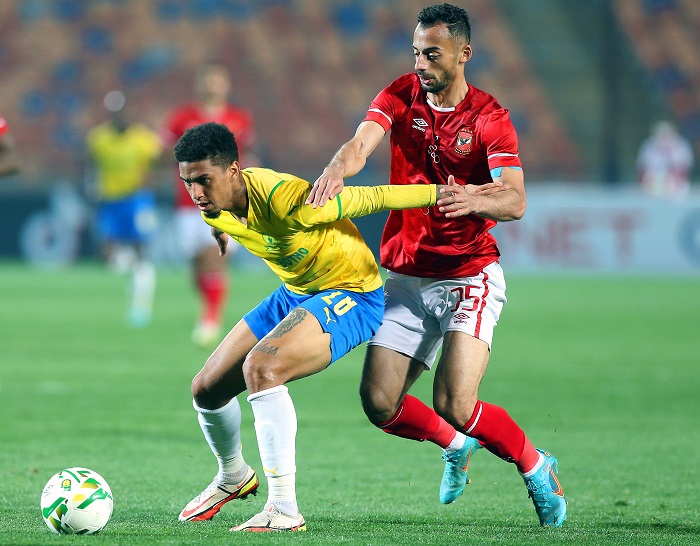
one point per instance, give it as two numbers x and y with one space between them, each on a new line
457 200
221 240
326 187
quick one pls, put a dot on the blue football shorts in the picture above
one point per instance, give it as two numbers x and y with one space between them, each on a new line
131 219
351 318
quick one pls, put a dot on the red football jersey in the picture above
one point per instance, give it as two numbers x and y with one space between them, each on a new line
3 125
239 121
427 145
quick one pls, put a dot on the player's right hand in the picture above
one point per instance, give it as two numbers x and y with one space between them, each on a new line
221 240
326 187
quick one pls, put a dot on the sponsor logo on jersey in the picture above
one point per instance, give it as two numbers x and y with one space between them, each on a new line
464 141
420 124
273 245
293 259
460 317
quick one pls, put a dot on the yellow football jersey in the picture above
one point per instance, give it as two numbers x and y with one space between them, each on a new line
123 159
314 249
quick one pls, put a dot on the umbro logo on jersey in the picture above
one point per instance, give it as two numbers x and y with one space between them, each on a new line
460 317
420 124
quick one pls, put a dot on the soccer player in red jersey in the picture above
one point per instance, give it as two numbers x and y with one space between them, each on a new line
445 285
9 162
210 270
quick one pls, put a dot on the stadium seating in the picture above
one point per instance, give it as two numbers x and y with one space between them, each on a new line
306 69
665 36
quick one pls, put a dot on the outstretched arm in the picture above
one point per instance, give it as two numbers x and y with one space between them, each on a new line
347 161
358 201
501 200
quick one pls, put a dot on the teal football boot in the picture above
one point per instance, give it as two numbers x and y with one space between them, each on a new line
456 465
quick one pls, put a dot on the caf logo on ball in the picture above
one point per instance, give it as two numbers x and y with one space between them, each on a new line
76 501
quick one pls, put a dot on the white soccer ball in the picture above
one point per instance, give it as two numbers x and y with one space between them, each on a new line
76 501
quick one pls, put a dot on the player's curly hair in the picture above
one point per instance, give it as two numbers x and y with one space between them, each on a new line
211 141
455 18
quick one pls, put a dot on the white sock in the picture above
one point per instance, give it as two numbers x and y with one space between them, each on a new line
538 465
143 286
122 259
222 430
276 428
457 443
282 493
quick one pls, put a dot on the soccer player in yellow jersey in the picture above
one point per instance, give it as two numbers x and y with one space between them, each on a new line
123 155
330 302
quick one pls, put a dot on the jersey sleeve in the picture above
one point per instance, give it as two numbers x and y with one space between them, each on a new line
501 140
391 103
355 201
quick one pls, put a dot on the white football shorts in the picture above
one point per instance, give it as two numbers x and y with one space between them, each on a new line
194 234
418 311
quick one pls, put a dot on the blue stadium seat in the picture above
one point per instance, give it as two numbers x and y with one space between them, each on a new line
34 103
67 72
150 62
69 10
351 19
96 39
169 11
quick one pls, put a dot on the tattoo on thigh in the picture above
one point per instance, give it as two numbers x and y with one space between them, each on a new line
290 321
265 348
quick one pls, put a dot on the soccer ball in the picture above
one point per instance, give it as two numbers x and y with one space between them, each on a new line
76 501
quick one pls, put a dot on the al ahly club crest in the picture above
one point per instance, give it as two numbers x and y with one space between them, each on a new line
464 141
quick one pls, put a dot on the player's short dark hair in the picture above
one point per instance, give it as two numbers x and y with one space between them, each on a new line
211 141
455 18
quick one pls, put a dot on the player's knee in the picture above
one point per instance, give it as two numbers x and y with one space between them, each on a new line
456 413
377 406
201 391
261 372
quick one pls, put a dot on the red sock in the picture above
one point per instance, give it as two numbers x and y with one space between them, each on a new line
416 421
213 288
498 433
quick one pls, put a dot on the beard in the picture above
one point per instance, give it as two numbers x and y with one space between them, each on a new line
437 85
212 215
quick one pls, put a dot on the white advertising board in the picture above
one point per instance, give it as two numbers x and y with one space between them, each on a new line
602 230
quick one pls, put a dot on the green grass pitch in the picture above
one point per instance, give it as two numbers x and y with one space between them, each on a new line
602 371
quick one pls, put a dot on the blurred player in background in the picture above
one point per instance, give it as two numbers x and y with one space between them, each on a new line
123 154
664 162
330 302
445 284
209 269
9 160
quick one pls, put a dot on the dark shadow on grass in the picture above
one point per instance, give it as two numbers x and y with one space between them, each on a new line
650 529
429 521
679 529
